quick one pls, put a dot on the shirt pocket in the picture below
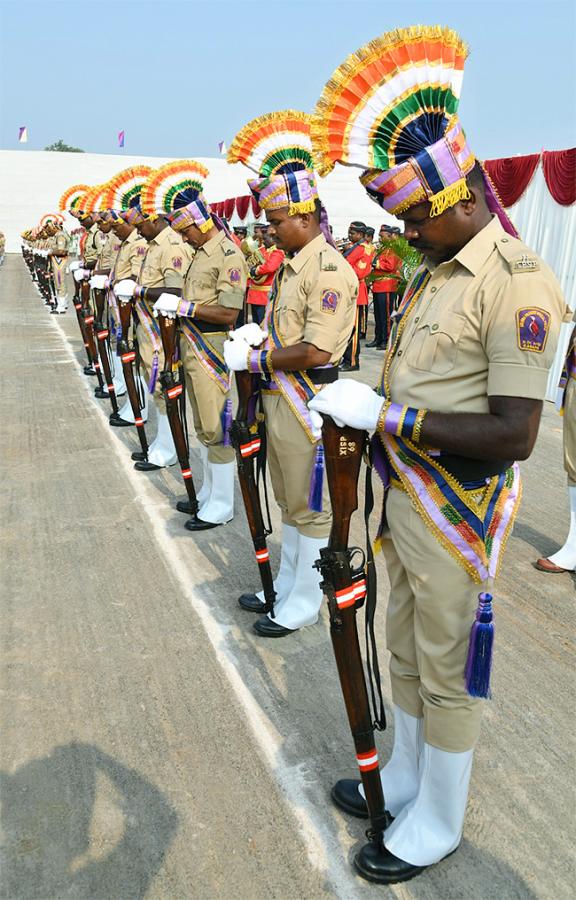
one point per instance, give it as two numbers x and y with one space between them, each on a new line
434 346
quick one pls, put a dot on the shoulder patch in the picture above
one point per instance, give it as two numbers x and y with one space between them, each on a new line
329 301
234 275
532 325
177 262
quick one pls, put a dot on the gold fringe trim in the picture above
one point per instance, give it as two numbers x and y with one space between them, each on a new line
303 206
448 197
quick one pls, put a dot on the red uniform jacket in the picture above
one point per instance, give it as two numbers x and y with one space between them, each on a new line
258 293
391 267
360 259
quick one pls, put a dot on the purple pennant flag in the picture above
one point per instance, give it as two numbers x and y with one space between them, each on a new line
121 135
222 147
23 134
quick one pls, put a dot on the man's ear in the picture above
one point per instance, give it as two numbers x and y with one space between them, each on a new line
470 205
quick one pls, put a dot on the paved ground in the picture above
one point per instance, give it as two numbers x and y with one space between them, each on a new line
153 747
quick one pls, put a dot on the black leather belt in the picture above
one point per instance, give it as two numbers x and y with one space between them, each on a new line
316 376
210 327
464 469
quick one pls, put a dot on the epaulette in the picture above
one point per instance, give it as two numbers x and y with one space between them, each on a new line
516 256
327 266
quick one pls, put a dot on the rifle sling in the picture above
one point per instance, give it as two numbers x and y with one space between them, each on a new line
317 376
372 664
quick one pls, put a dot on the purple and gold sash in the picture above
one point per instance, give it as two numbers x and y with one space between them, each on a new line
296 387
472 525
209 358
569 369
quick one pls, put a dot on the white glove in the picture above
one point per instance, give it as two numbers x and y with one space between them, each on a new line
98 282
236 355
125 287
252 334
75 264
81 274
166 304
349 402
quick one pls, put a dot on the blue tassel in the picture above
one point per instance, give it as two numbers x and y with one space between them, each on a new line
153 375
317 480
479 662
227 422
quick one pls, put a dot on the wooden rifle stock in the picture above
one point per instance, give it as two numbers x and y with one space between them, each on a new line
103 335
247 444
345 588
128 353
173 390
88 317
81 324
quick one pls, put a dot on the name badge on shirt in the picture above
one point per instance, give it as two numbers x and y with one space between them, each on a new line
532 325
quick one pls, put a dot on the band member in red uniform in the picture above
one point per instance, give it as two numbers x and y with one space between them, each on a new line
358 256
388 266
262 276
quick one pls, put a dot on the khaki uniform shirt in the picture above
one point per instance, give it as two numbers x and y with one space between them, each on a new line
317 299
130 257
61 241
218 274
93 244
166 261
486 325
105 259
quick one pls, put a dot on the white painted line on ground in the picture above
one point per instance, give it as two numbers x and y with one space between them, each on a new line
324 852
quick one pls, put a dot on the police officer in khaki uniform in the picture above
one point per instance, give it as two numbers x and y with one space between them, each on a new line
310 317
59 249
564 560
464 377
213 296
163 266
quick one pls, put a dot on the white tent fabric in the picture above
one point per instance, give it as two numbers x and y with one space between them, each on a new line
550 230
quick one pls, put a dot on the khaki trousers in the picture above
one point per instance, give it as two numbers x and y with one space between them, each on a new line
207 400
146 351
431 610
59 264
291 457
570 432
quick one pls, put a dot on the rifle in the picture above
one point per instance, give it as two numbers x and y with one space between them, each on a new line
345 588
88 317
103 335
175 396
247 445
127 350
78 307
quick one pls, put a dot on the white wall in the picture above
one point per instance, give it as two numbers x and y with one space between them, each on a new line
32 182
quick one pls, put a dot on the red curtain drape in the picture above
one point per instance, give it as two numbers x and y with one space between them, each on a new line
511 176
559 167
215 207
229 206
255 207
242 205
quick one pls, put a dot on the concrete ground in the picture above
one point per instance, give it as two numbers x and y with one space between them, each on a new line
152 746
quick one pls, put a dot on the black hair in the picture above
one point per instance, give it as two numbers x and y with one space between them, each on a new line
475 180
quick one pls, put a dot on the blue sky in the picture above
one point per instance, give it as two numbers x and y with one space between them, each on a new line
180 76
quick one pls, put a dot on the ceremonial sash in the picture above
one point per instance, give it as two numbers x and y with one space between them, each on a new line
58 268
472 525
296 387
209 358
149 324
